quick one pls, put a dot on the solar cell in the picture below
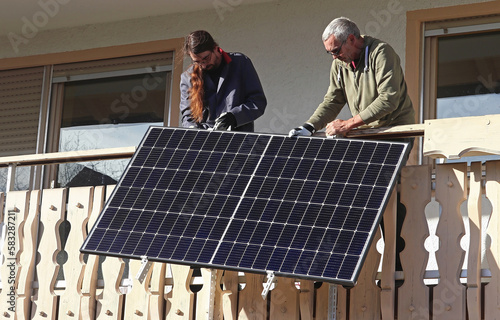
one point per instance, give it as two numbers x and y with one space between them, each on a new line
305 207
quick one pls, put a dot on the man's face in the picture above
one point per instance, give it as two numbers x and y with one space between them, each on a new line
337 49
207 60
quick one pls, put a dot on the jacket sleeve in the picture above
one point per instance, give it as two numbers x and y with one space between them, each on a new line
186 120
255 101
333 101
389 78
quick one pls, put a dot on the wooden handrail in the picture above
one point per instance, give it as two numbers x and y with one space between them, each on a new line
409 130
127 152
397 132
67 156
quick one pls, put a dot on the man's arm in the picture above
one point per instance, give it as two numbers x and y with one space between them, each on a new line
333 102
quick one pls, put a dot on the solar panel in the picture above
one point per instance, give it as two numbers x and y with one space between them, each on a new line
304 207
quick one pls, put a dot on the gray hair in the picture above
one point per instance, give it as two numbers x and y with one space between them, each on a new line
341 28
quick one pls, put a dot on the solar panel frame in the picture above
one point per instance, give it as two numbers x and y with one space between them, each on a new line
231 200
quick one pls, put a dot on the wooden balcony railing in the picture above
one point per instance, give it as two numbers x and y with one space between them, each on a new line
450 262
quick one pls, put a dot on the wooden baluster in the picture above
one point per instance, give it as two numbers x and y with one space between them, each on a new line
285 300
413 295
342 303
451 190
491 296
474 259
306 299
156 291
219 294
365 295
79 205
16 211
230 295
89 284
28 257
180 301
51 216
322 298
251 306
110 300
137 299
388 276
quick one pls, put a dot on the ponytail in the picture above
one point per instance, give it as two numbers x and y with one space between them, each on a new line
196 94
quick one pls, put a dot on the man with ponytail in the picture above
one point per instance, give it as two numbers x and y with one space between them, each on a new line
220 90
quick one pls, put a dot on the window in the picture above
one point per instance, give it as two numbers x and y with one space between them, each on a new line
454 71
468 79
107 104
467 75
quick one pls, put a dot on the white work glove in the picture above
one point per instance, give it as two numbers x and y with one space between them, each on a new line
304 130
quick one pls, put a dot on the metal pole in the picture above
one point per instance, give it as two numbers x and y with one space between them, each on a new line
11 177
332 301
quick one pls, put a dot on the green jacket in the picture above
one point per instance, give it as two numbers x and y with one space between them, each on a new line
376 89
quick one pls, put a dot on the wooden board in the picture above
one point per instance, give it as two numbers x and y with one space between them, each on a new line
365 295
230 295
451 190
137 299
16 211
454 138
28 257
492 289
306 299
285 300
89 283
78 212
388 276
251 306
180 301
110 300
413 295
51 216
475 245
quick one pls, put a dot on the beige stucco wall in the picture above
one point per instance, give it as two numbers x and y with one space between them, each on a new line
282 37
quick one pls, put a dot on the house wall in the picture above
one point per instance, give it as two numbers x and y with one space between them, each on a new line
282 37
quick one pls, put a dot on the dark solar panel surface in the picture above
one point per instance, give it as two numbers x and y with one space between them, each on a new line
302 207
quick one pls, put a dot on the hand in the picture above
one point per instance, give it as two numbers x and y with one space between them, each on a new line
304 130
336 127
225 121
342 127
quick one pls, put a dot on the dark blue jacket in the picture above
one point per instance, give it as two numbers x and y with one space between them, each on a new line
239 92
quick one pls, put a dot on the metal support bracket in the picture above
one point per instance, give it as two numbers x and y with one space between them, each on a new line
213 286
144 269
267 285
332 301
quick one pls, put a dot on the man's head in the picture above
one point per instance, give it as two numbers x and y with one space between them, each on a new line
202 49
341 39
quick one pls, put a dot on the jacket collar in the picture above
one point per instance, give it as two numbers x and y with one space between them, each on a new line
362 61
225 56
